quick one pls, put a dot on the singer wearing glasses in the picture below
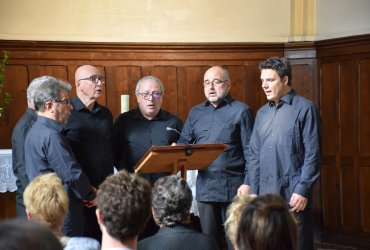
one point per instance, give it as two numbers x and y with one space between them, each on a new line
220 119
137 130
89 131
47 150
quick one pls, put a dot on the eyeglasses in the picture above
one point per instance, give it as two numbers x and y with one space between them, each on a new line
64 101
154 95
215 82
94 79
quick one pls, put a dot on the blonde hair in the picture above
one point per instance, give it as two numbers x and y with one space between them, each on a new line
47 201
233 215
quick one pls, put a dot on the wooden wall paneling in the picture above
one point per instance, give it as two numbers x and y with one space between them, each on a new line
16 83
168 77
330 173
348 116
121 80
364 145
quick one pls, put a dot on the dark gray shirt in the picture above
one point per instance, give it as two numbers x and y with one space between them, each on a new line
231 122
285 147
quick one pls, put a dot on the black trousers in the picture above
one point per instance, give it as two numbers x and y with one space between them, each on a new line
212 218
305 229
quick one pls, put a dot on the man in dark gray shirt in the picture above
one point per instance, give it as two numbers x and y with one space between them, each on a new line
285 146
47 150
220 119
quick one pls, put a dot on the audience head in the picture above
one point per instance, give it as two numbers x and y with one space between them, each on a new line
281 65
89 82
149 93
123 205
266 224
233 216
172 199
216 84
35 83
46 201
20 234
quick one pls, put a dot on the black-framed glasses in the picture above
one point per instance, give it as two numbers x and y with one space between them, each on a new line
94 79
64 101
215 82
154 95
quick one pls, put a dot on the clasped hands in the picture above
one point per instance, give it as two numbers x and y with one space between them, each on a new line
91 203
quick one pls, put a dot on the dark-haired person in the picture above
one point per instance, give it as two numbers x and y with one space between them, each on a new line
123 208
171 204
266 224
285 147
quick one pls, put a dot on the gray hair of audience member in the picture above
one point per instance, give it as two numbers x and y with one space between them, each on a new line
280 64
123 200
171 202
266 223
48 90
34 84
149 78
20 234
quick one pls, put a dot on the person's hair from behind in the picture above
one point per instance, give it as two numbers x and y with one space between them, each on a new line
124 203
147 78
233 216
281 65
266 224
49 90
20 234
172 200
46 201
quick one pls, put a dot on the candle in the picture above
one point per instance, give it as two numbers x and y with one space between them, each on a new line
124 103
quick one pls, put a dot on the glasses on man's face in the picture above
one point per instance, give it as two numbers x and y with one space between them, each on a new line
64 101
154 95
215 82
94 79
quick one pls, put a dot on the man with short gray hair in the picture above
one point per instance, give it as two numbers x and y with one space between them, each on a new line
47 150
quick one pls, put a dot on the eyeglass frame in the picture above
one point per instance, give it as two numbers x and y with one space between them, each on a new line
147 96
215 82
97 78
65 101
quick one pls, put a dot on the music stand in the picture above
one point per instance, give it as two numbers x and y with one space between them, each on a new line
180 157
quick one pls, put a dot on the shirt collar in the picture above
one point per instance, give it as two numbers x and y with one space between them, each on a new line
226 100
79 105
160 116
286 98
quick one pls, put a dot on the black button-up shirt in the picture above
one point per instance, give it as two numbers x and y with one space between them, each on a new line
134 135
90 135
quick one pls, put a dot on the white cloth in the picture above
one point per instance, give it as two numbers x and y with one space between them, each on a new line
191 178
7 178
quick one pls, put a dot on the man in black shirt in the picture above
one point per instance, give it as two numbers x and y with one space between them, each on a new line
18 137
89 132
138 129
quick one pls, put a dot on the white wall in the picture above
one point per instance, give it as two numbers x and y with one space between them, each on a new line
182 20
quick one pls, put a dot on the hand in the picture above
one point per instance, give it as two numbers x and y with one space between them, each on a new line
89 204
297 202
173 144
243 190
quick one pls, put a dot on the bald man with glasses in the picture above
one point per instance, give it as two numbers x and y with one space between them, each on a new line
89 132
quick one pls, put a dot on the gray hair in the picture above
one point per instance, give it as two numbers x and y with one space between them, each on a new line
171 200
149 78
34 84
48 89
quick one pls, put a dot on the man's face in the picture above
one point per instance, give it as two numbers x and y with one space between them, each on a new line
149 99
62 108
89 82
215 85
273 85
